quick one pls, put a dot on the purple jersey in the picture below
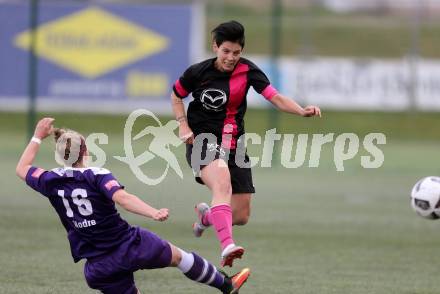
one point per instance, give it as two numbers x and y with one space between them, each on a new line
82 197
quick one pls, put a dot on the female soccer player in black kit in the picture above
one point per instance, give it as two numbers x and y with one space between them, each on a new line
213 127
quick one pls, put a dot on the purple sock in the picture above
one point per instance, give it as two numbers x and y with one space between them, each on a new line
203 271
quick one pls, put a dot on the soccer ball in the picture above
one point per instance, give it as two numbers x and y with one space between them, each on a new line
425 197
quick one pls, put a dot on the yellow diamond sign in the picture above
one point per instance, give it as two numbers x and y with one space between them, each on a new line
93 42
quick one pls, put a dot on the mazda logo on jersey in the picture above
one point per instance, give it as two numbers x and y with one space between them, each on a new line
213 99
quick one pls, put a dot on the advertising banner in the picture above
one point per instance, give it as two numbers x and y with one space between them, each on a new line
95 57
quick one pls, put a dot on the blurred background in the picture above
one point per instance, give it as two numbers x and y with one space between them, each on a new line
375 55
372 67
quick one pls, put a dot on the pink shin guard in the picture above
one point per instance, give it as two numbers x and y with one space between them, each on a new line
221 218
206 219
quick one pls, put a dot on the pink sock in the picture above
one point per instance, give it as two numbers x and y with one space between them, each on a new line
207 219
221 219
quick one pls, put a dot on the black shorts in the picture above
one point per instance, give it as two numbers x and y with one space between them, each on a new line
238 164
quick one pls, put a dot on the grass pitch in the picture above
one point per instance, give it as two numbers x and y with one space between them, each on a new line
312 230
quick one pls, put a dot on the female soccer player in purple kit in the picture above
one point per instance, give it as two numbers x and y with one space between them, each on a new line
219 87
84 199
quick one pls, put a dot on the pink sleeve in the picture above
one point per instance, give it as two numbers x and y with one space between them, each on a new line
179 90
269 92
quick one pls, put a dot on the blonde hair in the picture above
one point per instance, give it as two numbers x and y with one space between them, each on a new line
70 148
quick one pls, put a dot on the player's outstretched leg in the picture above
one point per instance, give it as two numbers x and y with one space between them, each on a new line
221 218
203 219
205 215
239 279
218 179
200 270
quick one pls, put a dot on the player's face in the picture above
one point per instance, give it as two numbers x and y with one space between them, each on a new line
228 54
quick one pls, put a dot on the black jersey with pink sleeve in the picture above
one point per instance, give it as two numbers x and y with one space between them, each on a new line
82 198
219 103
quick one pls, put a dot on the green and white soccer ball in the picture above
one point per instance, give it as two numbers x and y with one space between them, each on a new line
425 197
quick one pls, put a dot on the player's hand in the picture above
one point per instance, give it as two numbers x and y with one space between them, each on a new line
186 134
44 128
312 110
161 215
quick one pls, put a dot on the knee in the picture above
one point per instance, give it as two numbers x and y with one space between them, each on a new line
222 186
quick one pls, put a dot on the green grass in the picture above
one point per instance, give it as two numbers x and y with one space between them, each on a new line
398 125
326 33
312 230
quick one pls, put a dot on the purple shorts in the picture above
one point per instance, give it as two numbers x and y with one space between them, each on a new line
113 273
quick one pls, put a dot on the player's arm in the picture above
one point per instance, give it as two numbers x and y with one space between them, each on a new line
286 104
261 84
42 130
135 205
185 132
